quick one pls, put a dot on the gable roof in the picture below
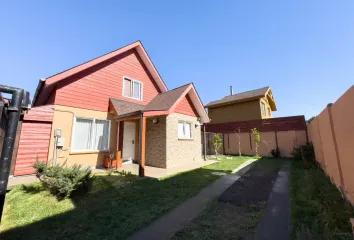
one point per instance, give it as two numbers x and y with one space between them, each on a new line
124 107
164 103
46 86
240 97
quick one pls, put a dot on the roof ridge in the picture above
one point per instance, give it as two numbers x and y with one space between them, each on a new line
179 87
246 91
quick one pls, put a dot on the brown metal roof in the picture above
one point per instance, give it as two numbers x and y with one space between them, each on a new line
257 93
164 101
124 107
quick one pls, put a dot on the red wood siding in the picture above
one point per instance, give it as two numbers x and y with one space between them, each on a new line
34 138
186 107
34 141
43 113
92 88
51 98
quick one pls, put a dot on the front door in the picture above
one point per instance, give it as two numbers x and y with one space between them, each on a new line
129 141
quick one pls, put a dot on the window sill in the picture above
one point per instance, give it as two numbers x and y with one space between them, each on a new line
185 139
89 152
138 99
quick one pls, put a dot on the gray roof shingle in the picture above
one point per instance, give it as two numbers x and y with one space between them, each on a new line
239 97
162 102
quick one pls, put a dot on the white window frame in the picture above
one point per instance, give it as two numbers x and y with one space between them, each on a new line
93 131
132 88
184 129
263 111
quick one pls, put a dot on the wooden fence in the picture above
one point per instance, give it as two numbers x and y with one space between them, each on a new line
283 133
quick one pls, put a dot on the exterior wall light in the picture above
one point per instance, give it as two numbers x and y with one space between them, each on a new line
155 121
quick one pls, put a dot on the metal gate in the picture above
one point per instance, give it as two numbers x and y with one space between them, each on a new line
3 124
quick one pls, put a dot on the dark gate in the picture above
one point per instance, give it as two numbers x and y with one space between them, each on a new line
3 123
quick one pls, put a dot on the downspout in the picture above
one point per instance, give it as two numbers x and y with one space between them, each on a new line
204 142
140 138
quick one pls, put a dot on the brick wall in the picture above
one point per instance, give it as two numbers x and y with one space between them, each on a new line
181 152
156 142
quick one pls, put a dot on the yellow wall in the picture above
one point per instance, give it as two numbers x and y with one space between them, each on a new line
63 118
242 111
268 110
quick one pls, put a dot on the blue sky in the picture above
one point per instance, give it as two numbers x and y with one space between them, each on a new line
304 50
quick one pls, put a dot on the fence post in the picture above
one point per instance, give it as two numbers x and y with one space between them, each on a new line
342 187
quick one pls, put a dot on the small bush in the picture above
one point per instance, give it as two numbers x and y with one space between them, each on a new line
275 152
62 181
305 153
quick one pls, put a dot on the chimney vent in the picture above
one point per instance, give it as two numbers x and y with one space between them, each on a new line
231 91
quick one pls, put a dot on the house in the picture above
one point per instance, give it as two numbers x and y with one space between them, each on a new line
250 105
116 102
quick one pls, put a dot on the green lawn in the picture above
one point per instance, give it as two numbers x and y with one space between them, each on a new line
317 208
114 207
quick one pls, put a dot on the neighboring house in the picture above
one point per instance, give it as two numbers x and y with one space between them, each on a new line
116 102
250 105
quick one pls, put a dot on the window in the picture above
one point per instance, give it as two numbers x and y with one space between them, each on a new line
263 110
184 130
132 89
90 135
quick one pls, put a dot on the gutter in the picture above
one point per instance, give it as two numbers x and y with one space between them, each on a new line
38 90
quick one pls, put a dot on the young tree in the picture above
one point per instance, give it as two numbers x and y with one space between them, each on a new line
217 143
238 131
257 138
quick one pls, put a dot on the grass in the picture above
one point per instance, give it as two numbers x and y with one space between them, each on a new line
228 221
317 208
222 221
114 207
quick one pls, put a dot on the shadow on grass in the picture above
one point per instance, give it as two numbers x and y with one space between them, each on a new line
116 206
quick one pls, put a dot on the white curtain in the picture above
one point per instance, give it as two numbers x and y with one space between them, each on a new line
82 134
136 90
127 88
180 130
100 141
187 130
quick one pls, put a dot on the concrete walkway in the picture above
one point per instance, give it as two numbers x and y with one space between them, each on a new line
275 223
168 224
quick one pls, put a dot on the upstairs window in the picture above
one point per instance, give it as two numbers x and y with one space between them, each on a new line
132 89
263 109
184 130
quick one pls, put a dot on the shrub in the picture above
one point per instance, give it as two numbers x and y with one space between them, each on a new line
275 152
62 181
217 143
257 139
305 153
